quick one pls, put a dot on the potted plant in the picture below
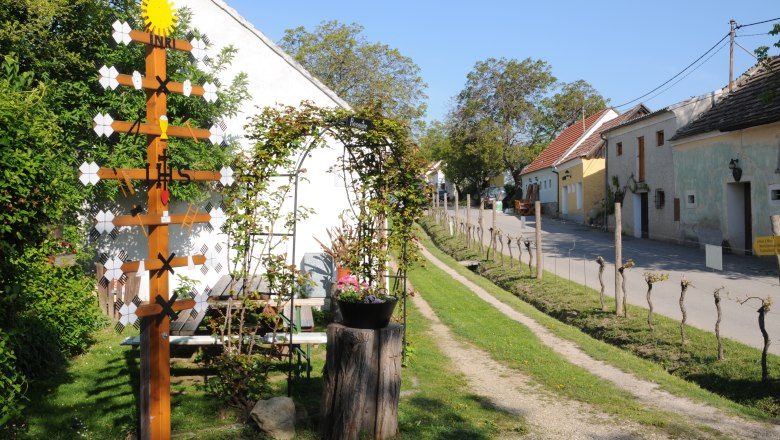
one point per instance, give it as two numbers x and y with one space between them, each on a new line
363 305
343 249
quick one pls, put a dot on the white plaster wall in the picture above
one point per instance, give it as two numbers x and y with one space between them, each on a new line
659 163
546 194
274 78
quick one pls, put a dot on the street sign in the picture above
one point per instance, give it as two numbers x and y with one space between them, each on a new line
766 246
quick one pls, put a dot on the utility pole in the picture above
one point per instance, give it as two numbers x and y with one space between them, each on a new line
731 54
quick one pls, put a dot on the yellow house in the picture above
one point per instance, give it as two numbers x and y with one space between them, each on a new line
582 175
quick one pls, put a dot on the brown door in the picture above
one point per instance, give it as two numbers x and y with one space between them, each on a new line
640 154
748 220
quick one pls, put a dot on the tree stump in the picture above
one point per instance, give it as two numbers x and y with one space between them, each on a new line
361 383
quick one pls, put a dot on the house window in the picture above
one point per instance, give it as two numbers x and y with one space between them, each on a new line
676 209
619 148
660 198
690 199
774 195
659 138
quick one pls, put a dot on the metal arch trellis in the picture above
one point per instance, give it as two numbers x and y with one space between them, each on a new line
349 148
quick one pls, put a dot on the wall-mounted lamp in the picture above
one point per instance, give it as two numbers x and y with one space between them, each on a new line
566 175
736 171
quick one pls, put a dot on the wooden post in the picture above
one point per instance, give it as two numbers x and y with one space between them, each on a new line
361 383
538 215
156 365
776 231
618 257
457 213
468 220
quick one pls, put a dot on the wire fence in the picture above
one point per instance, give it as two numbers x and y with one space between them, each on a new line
568 261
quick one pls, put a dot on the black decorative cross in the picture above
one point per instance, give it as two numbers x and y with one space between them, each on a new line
166 264
163 88
167 307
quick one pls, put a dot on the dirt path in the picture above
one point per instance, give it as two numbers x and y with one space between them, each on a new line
548 416
647 392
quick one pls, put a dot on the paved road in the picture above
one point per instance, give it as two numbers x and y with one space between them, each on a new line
570 251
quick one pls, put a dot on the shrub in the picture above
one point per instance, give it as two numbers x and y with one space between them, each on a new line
11 382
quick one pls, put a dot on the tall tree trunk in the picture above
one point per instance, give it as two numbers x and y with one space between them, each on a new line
600 260
717 324
650 304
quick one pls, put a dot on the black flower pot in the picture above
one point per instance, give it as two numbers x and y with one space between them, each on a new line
368 316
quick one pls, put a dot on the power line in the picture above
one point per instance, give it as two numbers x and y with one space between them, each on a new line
758 22
690 72
678 74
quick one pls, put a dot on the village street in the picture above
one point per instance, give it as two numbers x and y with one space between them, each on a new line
570 251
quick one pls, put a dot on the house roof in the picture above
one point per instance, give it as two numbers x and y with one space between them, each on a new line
592 143
748 105
562 143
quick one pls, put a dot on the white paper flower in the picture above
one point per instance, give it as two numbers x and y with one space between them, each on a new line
105 221
113 269
217 218
89 174
198 48
186 87
217 134
212 258
103 124
127 314
201 302
137 80
226 174
210 92
108 77
121 32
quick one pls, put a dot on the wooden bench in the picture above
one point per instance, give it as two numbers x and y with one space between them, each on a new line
298 339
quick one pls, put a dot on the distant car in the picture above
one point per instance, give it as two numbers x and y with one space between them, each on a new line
491 194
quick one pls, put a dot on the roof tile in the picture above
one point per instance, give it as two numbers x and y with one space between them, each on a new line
562 143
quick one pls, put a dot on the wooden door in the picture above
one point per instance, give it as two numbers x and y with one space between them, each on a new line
640 155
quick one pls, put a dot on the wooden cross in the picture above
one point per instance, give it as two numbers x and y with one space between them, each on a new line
156 314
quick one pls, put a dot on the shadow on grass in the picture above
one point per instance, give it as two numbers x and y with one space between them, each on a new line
70 405
421 417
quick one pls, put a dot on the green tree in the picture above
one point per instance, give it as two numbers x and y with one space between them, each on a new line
359 71
46 312
494 114
433 140
571 103
763 52
507 113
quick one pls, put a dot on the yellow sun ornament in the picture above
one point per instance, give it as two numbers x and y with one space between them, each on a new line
159 16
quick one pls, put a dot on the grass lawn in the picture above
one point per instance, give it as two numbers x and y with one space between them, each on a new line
514 345
96 398
738 378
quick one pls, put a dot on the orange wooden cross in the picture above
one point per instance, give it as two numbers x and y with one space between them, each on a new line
156 314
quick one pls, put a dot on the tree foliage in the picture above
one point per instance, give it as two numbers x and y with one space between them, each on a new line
506 113
361 72
49 94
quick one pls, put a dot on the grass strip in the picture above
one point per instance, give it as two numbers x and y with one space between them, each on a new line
737 378
96 397
514 345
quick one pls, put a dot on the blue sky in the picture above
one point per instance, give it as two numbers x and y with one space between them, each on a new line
624 49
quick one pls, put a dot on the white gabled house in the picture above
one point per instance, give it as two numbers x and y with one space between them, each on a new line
274 78
543 170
